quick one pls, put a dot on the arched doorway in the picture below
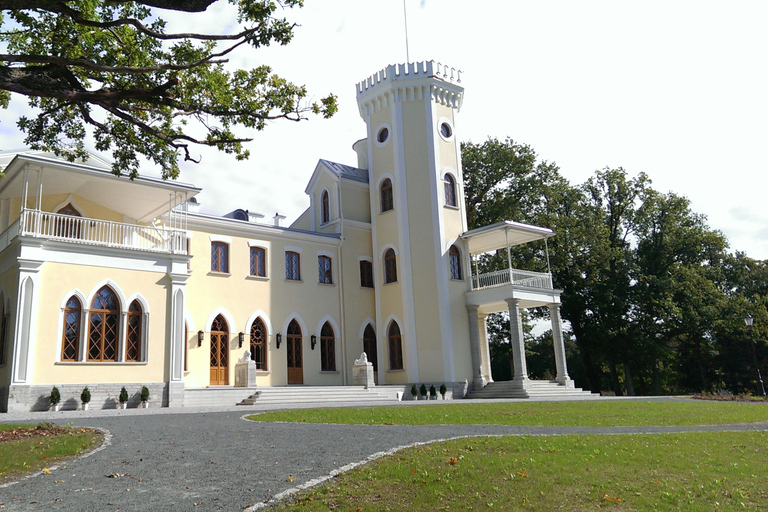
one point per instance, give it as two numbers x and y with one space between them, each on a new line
219 352
295 368
369 347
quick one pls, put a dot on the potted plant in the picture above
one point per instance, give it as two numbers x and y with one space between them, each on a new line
423 391
85 397
414 392
144 397
432 392
55 398
443 390
123 398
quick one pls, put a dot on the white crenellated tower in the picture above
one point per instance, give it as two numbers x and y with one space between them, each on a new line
417 216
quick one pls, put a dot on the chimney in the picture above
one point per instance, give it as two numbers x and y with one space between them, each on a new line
278 219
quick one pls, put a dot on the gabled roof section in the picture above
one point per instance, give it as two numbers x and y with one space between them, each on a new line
346 171
338 171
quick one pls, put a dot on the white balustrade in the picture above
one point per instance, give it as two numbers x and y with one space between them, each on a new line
512 277
95 232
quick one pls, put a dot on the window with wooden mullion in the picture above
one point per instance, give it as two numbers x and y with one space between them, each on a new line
292 266
395 347
258 261
366 274
324 270
219 257
70 350
390 266
259 344
387 199
133 336
103 326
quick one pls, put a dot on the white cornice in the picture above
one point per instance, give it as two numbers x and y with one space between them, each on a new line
226 226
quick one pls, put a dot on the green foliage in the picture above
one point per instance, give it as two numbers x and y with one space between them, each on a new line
123 397
114 68
443 389
85 396
55 396
653 299
144 395
673 471
414 391
432 390
423 390
561 414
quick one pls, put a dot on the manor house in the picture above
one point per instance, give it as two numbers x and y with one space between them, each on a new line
106 282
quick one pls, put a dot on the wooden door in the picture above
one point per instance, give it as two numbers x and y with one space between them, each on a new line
295 368
219 352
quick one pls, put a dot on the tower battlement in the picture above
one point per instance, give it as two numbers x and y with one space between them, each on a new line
409 71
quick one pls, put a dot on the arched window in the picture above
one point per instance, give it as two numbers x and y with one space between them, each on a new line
395 347
327 349
369 346
326 207
133 337
387 202
259 344
450 190
70 345
454 257
390 266
103 322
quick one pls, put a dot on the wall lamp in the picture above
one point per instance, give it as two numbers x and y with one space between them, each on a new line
313 339
240 338
200 336
278 338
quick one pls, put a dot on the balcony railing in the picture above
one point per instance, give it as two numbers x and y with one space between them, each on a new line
512 277
103 233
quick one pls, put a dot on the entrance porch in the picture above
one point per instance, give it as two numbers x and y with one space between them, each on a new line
510 290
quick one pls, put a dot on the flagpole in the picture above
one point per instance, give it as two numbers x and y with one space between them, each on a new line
405 19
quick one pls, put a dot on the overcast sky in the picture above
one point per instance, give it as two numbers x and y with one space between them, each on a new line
676 89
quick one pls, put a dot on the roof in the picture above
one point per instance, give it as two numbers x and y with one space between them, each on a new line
503 234
143 198
346 171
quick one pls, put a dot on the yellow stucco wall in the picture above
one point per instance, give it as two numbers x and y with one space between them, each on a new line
57 282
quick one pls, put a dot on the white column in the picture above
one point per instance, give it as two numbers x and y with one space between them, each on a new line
484 346
478 382
517 343
176 338
557 339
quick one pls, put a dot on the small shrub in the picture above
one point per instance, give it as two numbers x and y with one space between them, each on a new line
432 391
46 425
123 395
414 391
85 396
443 389
55 396
144 394
423 390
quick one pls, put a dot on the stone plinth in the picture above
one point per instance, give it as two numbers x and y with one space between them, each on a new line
245 372
362 372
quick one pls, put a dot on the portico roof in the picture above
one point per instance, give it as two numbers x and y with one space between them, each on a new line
503 234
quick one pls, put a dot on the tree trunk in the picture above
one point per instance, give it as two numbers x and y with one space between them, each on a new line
615 384
628 382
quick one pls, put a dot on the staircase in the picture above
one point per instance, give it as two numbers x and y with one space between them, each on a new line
537 390
225 396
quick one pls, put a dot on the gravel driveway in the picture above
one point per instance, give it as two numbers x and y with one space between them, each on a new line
218 461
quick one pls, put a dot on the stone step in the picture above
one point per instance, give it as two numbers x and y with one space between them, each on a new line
198 397
542 390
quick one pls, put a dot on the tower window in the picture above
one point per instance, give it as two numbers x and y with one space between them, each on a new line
383 135
390 266
387 202
327 349
454 258
395 347
445 130
450 190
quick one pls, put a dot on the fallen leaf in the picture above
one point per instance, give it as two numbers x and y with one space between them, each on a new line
290 478
46 471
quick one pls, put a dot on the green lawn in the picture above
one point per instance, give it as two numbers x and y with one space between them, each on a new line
565 414
18 456
692 471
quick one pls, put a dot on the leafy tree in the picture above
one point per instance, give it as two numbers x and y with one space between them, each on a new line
112 66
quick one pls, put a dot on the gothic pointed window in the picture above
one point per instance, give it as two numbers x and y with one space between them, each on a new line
70 345
133 338
68 224
369 346
103 326
395 343
259 344
326 207
449 185
387 200
327 349
454 259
